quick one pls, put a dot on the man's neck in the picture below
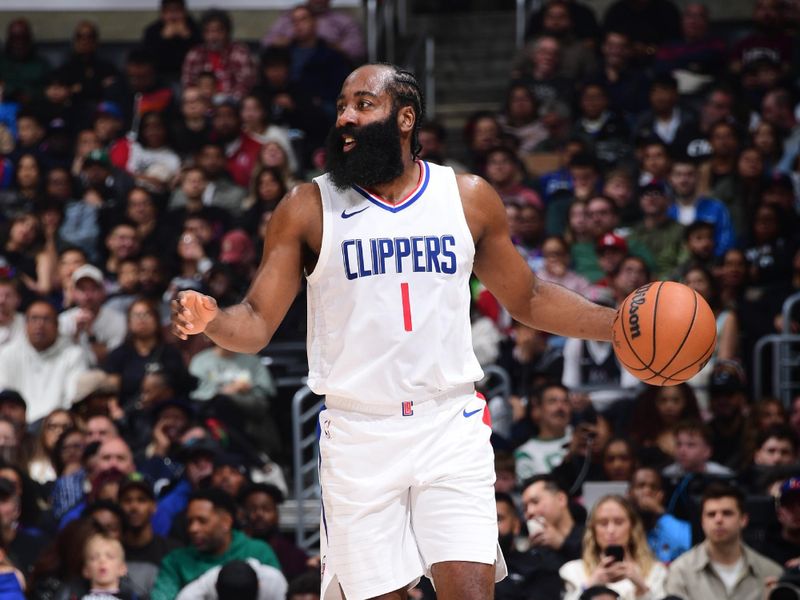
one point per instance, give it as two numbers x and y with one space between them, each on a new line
550 433
195 124
791 535
224 547
565 524
687 200
138 538
665 116
398 188
726 553
654 221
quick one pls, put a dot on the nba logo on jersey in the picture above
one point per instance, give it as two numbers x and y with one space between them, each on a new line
408 409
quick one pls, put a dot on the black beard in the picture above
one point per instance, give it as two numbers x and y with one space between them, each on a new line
377 157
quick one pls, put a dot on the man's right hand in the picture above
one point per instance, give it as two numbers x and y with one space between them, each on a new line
192 312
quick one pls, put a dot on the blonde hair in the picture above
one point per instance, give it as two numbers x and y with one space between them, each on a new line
637 546
102 537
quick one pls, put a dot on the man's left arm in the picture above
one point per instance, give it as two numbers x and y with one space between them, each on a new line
536 303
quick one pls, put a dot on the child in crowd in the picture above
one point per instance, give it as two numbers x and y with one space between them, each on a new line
104 567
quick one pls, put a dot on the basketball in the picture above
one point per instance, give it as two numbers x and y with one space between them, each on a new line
664 333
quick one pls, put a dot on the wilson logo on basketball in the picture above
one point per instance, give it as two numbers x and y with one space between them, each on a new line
633 317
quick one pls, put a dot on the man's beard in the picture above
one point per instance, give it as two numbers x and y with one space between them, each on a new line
376 158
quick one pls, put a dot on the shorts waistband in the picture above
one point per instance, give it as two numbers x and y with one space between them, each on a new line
400 408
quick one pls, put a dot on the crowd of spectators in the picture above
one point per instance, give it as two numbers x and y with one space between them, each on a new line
637 145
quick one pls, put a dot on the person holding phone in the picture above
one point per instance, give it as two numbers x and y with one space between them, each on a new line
615 555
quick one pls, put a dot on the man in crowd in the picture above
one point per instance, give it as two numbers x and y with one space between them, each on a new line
546 503
12 323
551 411
722 566
784 545
210 518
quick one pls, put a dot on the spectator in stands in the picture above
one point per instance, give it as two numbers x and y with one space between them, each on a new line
104 566
579 181
222 192
722 566
241 149
544 74
210 518
26 252
103 185
654 161
665 119
702 281
698 251
12 322
255 122
141 91
22 70
626 84
266 190
728 402
100 428
520 117
648 23
41 465
42 367
769 252
698 57
767 41
248 580
122 243
619 459
604 129
720 166
22 545
26 190
192 129
658 232
229 61
317 68
742 191
482 132
144 550
432 139
305 587
782 545
546 502
171 37
90 324
667 536
551 412
613 522
144 349
691 206
505 173
260 520
773 449
88 74
555 268
531 573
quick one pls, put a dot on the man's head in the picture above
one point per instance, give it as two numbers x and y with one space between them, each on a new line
544 498
140 70
304 26
9 300
694 22
85 38
692 446
632 274
550 409
777 107
664 95
211 159
502 166
722 514
89 289
14 408
594 100
217 28
655 158
611 251
379 111
776 446
727 392
226 121
229 474
137 501
646 489
123 241
699 238
237 579
19 39
260 502
584 172
41 325
616 50
683 178
210 516
508 522
724 139
104 563
114 453
788 505
654 199
100 428
603 215
718 106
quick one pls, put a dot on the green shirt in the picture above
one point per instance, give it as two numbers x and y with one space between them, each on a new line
665 243
184 565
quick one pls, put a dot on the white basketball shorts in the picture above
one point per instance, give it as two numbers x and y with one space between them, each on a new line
405 491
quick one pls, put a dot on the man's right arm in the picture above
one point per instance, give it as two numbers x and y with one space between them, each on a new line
295 227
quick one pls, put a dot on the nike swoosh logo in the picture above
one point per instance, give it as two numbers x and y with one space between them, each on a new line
347 215
469 414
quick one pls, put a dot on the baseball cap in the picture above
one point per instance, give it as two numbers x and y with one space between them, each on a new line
155 411
236 247
196 447
136 481
611 241
97 157
655 186
88 272
110 109
789 488
228 459
12 397
726 380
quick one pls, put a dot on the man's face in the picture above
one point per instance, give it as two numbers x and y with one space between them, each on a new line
208 527
727 405
556 20
723 141
593 102
695 22
546 56
9 512
500 169
554 411
722 520
767 14
304 26
261 513
193 105
89 294
616 50
789 512
719 106
172 421
683 179
85 40
228 478
631 276
215 36
601 215
539 502
123 242
99 429
609 259
507 520
654 203
141 77
15 413
41 325
9 302
365 146
701 243
19 38
138 508
774 452
663 99
645 488
226 122
212 161
115 454
655 160
691 451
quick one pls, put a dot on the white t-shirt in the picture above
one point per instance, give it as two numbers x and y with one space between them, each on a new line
729 574
537 456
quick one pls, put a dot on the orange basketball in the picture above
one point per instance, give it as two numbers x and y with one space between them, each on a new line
664 333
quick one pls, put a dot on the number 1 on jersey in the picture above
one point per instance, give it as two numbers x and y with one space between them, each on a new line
406 306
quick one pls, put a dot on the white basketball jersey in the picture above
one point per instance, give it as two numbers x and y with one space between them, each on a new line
389 298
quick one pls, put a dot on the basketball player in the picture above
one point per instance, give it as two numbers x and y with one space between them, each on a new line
387 244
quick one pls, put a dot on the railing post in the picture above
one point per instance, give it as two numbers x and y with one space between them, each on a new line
521 18
430 79
372 30
388 29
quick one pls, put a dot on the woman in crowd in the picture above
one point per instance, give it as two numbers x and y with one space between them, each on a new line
619 459
266 190
40 467
256 124
27 189
768 141
555 268
742 192
143 349
520 117
656 411
67 452
149 159
769 254
733 277
616 555
29 253
276 155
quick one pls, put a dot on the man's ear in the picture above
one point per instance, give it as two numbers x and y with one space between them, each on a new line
406 119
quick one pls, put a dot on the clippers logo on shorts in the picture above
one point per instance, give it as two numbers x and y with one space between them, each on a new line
408 408
418 254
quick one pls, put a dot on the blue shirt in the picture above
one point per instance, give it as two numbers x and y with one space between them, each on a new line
670 538
715 212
